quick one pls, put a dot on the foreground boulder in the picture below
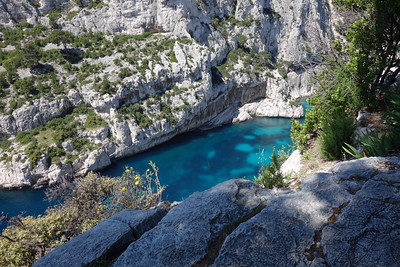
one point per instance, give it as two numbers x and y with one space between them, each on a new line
349 216
190 233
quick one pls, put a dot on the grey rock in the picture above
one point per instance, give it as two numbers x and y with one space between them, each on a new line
187 233
362 168
281 233
367 232
324 224
106 240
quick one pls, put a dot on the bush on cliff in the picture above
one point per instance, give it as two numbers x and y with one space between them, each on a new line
84 202
270 175
359 72
335 132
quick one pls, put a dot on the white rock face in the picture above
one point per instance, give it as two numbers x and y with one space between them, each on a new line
293 164
12 12
292 32
29 116
268 108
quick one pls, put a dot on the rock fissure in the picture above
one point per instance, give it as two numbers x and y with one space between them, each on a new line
336 212
215 247
316 250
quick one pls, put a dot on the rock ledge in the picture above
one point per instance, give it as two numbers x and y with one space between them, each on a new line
349 216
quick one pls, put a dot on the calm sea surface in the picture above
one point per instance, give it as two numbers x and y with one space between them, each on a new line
196 161
188 163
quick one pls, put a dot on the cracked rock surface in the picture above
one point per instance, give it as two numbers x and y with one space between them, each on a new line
349 216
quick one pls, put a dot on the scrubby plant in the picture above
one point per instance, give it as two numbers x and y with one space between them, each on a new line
54 15
270 175
72 14
373 144
334 133
84 203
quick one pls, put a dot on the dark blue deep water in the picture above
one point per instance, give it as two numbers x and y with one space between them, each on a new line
28 202
188 163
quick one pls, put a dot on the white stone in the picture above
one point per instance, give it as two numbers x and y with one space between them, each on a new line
293 164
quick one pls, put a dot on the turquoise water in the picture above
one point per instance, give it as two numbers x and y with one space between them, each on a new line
196 161
188 163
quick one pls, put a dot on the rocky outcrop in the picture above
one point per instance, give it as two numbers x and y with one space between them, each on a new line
204 79
346 217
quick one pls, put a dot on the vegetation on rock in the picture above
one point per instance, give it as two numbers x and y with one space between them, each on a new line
358 74
84 202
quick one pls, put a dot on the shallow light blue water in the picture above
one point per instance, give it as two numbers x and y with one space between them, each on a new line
188 163
196 161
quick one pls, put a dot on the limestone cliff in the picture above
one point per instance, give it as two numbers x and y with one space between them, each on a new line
204 60
348 216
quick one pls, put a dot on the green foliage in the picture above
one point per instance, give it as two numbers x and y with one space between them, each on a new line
136 111
12 36
60 37
357 73
72 14
54 15
374 45
105 87
25 86
270 175
373 144
335 132
24 24
392 114
93 120
84 203
254 62
34 152
125 72
96 4
48 138
3 81
352 151
31 55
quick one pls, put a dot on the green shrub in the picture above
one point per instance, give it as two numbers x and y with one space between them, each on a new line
54 15
25 86
93 120
25 137
12 36
270 175
373 144
96 4
71 15
31 55
3 81
335 132
24 24
124 72
34 152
